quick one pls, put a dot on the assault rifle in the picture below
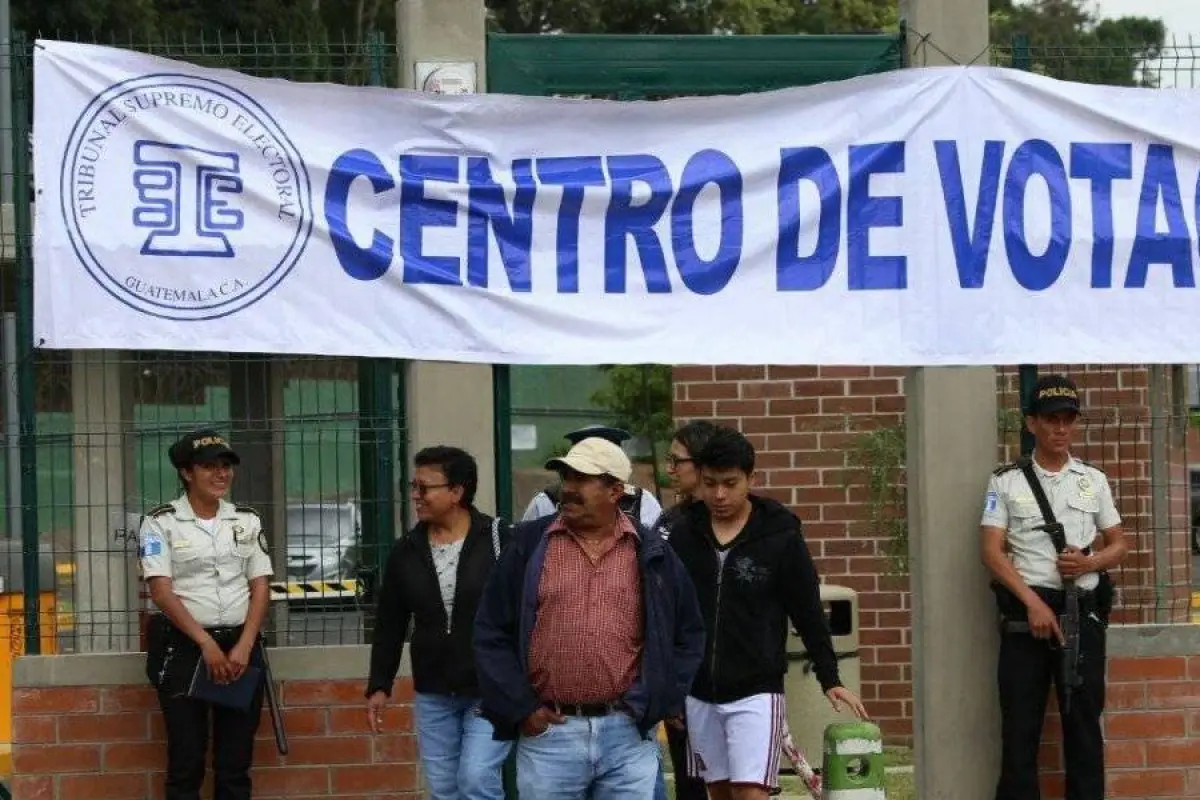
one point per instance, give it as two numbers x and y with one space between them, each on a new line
1068 622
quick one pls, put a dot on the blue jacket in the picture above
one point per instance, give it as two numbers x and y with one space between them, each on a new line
671 653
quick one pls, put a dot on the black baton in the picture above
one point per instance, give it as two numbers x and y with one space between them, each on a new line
273 703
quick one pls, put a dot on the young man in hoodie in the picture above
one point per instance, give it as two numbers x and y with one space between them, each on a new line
752 573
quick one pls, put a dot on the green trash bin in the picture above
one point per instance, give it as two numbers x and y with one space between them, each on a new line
853 766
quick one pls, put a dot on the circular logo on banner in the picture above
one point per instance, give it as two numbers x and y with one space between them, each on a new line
183 197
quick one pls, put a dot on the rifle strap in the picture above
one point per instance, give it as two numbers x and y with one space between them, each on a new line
1039 494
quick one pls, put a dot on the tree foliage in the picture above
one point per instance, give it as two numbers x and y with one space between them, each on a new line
351 20
692 16
1068 40
638 397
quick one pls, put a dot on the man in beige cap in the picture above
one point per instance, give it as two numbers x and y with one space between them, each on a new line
587 637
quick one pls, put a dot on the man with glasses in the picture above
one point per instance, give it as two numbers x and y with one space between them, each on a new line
432 584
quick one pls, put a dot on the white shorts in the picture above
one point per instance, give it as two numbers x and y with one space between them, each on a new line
739 742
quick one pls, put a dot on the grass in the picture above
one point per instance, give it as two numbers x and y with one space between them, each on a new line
900 785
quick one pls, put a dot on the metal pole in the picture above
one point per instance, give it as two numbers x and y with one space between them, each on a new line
20 59
502 438
12 426
6 104
1159 475
1023 59
1027 377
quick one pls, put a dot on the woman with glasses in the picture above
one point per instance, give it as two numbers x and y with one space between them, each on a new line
685 479
433 580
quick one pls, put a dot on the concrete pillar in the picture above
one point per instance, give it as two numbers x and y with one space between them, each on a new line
449 403
105 592
952 423
452 404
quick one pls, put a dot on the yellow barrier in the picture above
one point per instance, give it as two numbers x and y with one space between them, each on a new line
311 590
12 645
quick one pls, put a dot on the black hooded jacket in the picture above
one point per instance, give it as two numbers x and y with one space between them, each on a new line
443 660
768 578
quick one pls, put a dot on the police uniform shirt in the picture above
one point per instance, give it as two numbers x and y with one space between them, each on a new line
1081 500
210 572
542 506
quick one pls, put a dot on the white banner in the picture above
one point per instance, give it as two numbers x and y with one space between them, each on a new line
924 217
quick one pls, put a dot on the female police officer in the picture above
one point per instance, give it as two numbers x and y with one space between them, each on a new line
207 567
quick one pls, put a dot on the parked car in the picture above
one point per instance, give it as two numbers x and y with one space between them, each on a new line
323 541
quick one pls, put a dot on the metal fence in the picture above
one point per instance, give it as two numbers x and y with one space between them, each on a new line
322 440
1176 64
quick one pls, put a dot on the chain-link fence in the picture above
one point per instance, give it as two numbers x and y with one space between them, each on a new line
1173 64
322 440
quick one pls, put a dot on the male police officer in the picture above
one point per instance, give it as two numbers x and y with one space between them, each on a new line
1030 592
639 504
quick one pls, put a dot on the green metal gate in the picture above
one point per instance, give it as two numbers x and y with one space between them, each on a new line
650 68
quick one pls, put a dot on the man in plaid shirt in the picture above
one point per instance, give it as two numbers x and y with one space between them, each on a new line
587 637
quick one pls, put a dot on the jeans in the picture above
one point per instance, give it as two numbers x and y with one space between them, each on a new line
459 758
601 758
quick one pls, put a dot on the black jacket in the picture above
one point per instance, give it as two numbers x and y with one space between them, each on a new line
443 661
768 578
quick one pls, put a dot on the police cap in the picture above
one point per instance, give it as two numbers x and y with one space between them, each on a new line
1053 393
614 435
201 446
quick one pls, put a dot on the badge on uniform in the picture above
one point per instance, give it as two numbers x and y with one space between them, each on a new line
239 534
262 542
1085 487
993 499
151 545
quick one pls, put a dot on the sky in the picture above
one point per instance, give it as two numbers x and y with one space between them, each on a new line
1182 18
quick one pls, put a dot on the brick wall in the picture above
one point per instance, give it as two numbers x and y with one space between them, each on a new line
1152 730
807 422
107 742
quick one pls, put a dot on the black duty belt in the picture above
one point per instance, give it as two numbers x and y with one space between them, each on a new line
586 709
1087 604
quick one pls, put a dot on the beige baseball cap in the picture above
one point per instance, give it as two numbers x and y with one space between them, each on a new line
595 456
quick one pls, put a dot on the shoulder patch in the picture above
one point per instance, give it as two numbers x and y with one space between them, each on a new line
1006 468
247 510
158 511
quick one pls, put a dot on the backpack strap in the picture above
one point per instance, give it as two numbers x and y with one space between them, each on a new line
496 538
